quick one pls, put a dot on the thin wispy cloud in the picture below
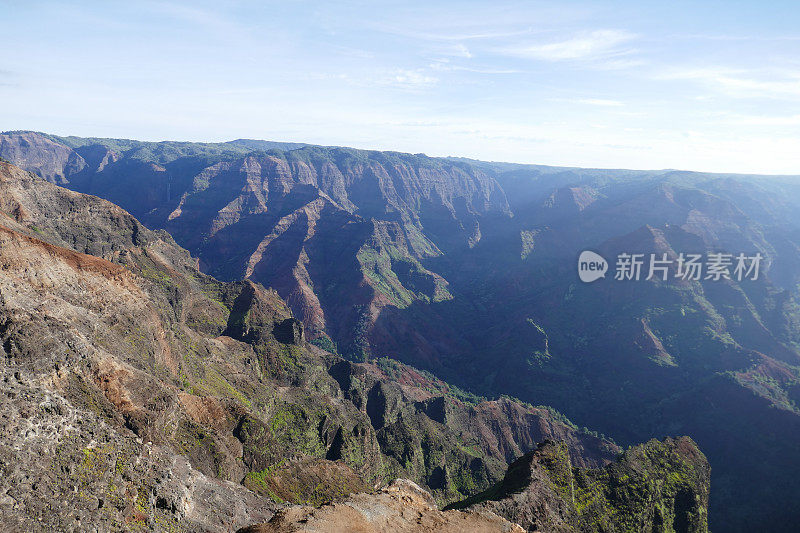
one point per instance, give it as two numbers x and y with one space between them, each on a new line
747 37
444 65
211 20
459 36
764 120
461 50
741 83
408 79
598 44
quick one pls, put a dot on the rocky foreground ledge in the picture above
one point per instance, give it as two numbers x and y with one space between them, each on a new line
657 486
402 506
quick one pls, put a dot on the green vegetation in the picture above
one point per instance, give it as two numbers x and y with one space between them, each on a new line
657 486
325 342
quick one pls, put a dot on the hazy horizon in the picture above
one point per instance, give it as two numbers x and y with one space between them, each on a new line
367 148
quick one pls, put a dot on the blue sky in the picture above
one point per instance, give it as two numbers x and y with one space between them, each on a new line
695 85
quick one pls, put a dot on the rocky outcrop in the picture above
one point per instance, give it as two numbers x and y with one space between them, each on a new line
403 507
657 486
64 468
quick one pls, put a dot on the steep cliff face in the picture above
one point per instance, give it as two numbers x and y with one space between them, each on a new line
37 153
339 234
331 229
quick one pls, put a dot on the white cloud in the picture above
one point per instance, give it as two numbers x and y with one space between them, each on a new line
461 50
408 79
598 44
742 83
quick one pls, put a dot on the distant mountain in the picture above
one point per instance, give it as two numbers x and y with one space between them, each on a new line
256 145
468 270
